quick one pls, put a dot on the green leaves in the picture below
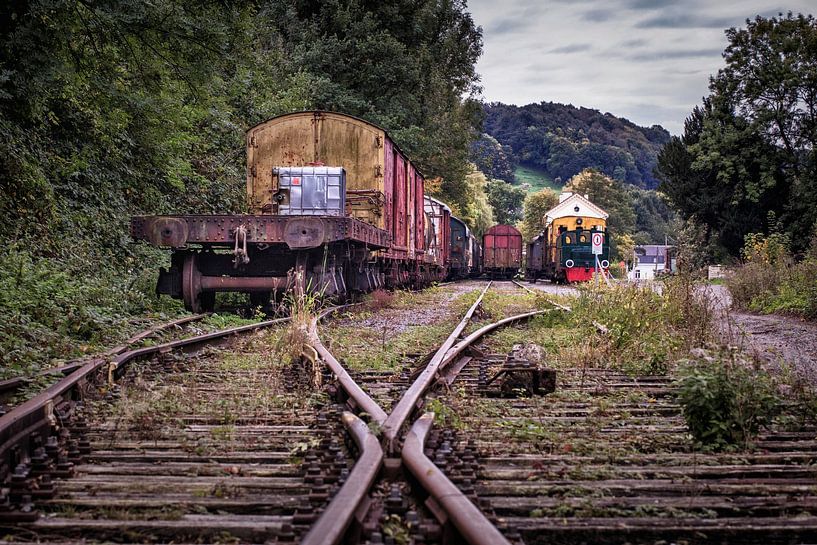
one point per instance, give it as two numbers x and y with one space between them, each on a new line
751 147
725 400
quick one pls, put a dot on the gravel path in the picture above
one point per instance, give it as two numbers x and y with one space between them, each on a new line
779 340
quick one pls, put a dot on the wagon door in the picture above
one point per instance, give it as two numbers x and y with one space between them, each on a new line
399 199
419 227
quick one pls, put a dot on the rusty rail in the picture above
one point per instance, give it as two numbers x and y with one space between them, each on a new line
34 420
71 366
472 524
527 289
355 392
457 349
407 403
329 530
335 520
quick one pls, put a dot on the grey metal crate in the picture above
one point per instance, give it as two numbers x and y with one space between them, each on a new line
310 191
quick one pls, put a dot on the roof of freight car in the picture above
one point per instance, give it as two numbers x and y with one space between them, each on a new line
441 203
458 220
335 114
503 230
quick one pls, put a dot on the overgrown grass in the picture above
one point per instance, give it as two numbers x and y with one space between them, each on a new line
770 281
645 330
537 179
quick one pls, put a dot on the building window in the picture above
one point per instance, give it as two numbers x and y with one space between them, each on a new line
637 274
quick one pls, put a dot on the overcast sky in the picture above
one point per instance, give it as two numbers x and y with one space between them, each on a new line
646 60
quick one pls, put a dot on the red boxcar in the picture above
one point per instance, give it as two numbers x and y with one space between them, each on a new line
502 251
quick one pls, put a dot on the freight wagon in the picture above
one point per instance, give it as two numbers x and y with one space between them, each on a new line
501 251
334 206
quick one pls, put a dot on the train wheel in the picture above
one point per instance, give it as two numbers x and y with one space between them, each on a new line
191 285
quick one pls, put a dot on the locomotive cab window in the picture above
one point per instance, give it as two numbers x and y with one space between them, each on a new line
582 238
567 240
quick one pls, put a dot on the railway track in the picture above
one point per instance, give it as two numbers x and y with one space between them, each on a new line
607 459
230 444
10 387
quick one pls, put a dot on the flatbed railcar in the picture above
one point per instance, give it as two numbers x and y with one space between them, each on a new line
335 206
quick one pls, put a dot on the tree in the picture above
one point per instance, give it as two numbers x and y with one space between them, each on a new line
492 158
506 201
564 140
534 209
750 149
608 194
477 213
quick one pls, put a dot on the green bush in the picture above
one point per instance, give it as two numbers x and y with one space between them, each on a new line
725 400
54 309
770 281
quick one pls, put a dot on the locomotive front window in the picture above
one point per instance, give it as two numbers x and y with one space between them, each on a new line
567 240
582 238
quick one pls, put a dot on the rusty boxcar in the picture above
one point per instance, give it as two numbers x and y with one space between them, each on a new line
334 206
501 251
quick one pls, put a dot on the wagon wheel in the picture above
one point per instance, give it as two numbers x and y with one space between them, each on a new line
194 299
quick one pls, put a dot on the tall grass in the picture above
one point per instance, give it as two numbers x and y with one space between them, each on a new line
771 281
645 330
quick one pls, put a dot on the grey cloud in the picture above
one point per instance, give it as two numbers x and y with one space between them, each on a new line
685 20
668 54
649 4
572 48
633 43
598 15
508 25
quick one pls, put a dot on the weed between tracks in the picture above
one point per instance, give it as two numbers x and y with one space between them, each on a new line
218 388
390 329
725 399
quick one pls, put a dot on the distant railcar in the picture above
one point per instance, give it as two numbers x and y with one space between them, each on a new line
534 267
476 257
501 251
461 261
439 236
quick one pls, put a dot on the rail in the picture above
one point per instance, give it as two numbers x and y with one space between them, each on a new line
355 392
68 368
472 524
331 529
407 403
28 426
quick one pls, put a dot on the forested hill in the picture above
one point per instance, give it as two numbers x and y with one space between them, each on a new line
564 140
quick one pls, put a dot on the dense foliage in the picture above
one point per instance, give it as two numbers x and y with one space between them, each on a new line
534 209
747 160
114 108
564 140
506 201
494 159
